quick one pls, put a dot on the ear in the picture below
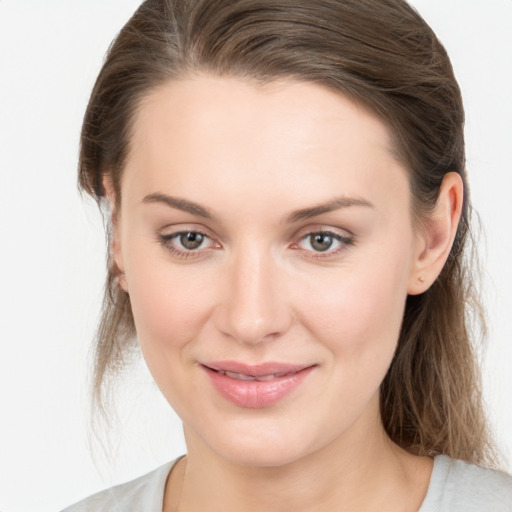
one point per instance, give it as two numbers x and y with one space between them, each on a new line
436 239
116 255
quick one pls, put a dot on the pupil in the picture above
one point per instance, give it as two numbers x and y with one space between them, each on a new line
321 242
191 240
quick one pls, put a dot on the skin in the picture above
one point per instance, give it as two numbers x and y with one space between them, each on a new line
256 290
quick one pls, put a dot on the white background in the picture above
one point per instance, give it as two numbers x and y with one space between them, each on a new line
52 244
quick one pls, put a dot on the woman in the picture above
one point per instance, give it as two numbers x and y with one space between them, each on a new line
289 215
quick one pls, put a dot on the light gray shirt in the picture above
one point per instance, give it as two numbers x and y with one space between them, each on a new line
455 486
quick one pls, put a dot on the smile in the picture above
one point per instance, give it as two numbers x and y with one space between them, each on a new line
255 386
243 376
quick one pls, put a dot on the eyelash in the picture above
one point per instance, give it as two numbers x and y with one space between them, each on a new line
167 243
344 243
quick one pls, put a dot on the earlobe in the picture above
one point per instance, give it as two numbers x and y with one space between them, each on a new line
439 230
115 252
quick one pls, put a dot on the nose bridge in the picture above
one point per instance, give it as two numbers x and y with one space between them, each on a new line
254 308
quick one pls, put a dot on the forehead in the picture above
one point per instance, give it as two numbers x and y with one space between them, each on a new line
204 102
224 131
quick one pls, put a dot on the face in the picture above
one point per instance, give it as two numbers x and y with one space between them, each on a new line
267 245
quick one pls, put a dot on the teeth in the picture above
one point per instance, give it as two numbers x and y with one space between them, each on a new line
239 376
266 377
262 378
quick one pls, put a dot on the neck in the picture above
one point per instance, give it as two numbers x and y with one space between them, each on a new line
363 471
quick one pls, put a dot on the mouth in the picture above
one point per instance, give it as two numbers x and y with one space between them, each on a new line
255 386
260 378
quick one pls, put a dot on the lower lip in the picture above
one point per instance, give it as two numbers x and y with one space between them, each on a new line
256 394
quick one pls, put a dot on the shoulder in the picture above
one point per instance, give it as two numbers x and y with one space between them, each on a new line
144 493
457 486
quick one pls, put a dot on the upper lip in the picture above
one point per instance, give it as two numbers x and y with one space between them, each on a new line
255 370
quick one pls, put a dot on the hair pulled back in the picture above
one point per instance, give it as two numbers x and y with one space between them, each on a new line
379 53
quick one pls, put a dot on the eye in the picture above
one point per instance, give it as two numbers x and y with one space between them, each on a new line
185 243
324 242
191 240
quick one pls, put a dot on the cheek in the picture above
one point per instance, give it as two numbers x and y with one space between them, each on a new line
169 302
170 307
359 312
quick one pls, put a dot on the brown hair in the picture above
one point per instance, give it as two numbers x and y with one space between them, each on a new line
380 53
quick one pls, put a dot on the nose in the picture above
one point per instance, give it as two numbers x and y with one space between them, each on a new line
255 307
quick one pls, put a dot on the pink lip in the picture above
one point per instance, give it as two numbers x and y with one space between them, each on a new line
255 394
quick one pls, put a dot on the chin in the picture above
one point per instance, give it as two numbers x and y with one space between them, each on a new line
263 456
257 444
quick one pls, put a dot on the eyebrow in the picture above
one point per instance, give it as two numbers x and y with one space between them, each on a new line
331 206
297 215
179 204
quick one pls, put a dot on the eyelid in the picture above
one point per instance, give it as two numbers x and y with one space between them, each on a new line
165 240
345 239
319 227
